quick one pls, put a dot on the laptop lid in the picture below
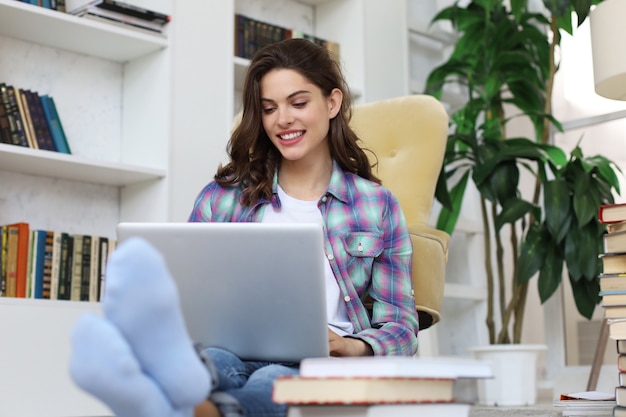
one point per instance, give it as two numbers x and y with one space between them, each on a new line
255 289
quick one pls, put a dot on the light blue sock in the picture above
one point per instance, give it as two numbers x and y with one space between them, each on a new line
103 364
141 300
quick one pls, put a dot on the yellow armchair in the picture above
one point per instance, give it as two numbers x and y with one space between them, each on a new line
408 135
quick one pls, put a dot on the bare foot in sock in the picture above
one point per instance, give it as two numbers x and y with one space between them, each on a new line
141 301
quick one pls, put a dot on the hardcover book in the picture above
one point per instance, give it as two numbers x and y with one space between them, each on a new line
612 213
360 390
386 410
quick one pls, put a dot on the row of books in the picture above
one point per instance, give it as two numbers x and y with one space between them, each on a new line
123 14
110 11
47 264
252 35
58 5
380 386
613 291
31 120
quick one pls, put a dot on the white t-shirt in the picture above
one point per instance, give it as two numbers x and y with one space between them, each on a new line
300 211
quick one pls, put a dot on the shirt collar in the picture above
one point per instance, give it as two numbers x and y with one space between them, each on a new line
337 186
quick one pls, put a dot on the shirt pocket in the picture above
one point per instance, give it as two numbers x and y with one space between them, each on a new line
362 249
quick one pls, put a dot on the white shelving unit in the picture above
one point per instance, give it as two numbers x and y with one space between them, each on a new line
134 160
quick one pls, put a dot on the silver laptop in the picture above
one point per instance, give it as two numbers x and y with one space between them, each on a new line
255 289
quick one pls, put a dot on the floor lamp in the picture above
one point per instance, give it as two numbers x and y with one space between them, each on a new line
608 34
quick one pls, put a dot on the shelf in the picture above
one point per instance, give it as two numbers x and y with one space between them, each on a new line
38 302
60 30
71 167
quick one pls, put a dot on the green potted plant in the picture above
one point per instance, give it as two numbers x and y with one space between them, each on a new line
504 59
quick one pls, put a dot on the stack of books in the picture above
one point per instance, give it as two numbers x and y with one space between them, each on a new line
613 290
252 35
53 265
31 120
378 386
123 14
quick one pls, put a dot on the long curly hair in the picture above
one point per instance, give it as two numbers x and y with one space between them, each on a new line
253 157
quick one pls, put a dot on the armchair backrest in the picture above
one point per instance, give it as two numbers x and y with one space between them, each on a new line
408 136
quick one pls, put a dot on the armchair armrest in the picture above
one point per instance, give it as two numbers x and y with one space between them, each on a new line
430 254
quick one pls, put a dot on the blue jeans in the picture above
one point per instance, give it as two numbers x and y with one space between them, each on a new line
244 388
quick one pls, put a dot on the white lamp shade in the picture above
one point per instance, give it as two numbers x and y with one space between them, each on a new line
608 38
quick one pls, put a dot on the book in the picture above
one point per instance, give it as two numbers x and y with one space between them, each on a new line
5 129
47 265
56 264
612 213
85 276
65 267
611 282
613 263
8 109
17 256
386 410
613 298
120 20
25 117
19 137
396 366
131 10
94 265
125 14
76 268
43 136
616 227
621 363
103 257
360 390
619 411
620 347
54 124
614 242
620 395
617 328
614 312
38 257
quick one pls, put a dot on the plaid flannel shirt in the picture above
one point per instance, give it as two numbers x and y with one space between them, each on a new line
367 244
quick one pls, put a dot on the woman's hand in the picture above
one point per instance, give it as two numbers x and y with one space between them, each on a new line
347 346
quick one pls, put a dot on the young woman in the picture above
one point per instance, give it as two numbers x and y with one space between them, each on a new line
293 158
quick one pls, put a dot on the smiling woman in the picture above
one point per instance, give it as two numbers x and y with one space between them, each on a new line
293 159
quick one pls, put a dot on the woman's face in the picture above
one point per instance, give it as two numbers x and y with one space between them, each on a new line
296 115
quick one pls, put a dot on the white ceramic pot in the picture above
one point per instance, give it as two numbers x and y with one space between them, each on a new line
515 374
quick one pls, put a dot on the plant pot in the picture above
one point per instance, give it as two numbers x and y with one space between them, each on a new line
515 374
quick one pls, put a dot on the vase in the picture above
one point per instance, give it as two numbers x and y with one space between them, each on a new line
515 374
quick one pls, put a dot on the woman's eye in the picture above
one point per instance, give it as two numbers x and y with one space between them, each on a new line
299 104
268 110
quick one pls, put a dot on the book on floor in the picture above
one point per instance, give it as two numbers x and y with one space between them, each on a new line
360 390
396 366
386 410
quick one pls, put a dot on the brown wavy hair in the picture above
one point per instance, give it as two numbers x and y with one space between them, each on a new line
253 157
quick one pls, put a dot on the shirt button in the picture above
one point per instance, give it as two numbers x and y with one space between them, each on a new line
346 298
331 256
324 199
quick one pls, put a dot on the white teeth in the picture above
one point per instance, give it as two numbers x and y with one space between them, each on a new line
291 136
